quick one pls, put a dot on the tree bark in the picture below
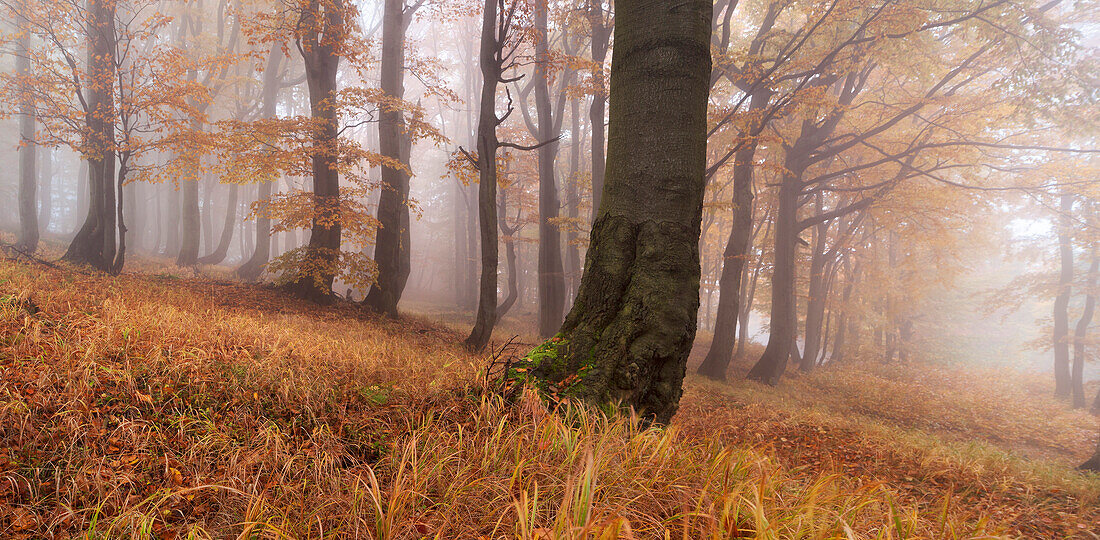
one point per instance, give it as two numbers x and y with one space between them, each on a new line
1081 332
28 178
734 257
773 362
190 218
45 190
228 225
550 267
818 292
320 46
94 243
261 253
487 145
627 338
599 24
1062 378
391 249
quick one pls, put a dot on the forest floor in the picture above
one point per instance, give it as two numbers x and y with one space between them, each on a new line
159 404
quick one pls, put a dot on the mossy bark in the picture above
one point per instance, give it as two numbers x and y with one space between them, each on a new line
628 335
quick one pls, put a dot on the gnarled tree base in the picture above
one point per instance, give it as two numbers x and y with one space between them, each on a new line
629 333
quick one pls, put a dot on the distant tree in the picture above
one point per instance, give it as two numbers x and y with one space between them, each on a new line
28 182
627 338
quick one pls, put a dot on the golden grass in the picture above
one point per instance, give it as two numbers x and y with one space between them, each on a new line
154 406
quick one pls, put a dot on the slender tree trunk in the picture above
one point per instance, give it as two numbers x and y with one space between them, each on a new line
840 340
745 314
228 225
509 256
1062 376
45 209
815 304
190 218
601 40
83 202
487 144
551 270
28 178
461 252
572 202
261 253
627 338
1081 332
94 243
391 248
734 257
771 365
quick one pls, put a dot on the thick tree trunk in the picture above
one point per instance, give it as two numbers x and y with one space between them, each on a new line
1081 332
94 243
1062 378
261 253
487 144
228 225
28 178
322 60
391 248
628 335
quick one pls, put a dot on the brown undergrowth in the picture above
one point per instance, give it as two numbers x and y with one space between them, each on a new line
155 405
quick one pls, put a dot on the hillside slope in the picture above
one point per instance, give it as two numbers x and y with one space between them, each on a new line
150 404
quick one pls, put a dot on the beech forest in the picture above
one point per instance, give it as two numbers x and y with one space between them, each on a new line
549 269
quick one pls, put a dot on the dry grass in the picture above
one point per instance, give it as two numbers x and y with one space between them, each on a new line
154 406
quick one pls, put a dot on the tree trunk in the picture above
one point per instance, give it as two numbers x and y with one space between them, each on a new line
226 238
818 292
840 340
551 270
190 219
572 202
487 145
391 248
320 50
509 256
1062 378
1081 332
28 179
462 251
601 39
718 358
745 308
627 338
45 194
771 365
1093 464
94 243
261 253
